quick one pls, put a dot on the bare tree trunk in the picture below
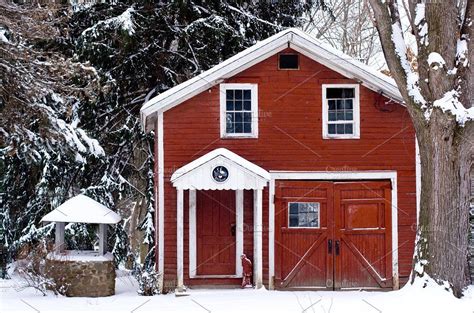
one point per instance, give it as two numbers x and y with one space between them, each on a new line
442 245
445 139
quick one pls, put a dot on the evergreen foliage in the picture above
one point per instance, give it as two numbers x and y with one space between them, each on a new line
72 87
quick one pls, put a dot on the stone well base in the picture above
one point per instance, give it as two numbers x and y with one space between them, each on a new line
81 274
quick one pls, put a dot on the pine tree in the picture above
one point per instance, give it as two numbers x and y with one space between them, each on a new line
73 84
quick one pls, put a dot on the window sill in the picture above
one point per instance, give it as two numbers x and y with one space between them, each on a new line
239 137
341 137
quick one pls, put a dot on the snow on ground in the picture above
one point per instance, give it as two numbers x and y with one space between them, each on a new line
408 299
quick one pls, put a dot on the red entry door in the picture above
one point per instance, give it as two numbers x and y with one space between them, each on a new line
215 211
333 235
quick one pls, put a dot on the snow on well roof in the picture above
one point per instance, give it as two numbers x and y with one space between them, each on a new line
257 170
290 38
82 209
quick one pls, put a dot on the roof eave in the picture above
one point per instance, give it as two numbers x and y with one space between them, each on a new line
297 40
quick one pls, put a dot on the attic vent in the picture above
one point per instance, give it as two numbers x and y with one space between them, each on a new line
288 62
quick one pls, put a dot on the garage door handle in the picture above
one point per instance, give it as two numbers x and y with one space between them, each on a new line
337 247
329 246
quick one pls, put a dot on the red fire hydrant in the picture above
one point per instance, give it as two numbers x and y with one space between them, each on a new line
246 271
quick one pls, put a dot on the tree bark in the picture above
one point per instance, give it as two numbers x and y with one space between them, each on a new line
445 145
442 234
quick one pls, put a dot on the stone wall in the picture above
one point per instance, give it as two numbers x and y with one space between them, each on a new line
82 278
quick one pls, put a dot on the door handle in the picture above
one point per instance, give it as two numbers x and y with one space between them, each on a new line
232 230
337 247
329 246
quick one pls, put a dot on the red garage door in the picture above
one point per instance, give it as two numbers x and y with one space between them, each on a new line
333 235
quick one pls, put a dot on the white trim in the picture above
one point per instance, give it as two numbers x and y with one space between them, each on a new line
227 154
192 234
239 231
257 238
369 175
271 235
179 239
254 109
297 40
161 202
239 236
356 112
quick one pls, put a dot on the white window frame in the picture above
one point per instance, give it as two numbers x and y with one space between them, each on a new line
254 102
356 113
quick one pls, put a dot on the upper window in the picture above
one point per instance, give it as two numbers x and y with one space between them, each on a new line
341 111
239 111
303 214
288 62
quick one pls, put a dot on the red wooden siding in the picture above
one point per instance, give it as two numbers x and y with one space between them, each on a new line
290 138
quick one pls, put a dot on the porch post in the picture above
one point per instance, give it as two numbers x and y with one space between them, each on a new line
239 230
192 234
179 239
59 237
257 238
102 239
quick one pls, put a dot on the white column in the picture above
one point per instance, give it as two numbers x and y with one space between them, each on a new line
59 237
192 234
179 239
239 231
257 238
271 235
102 239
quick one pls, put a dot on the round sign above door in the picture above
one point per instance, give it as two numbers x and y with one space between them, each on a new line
220 174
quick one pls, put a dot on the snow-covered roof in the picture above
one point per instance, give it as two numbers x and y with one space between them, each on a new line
82 209
243 174
292 38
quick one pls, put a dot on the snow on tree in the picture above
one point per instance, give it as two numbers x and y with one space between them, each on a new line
439 98
347 25
73 82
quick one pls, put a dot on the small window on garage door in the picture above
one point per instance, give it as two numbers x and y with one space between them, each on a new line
303 214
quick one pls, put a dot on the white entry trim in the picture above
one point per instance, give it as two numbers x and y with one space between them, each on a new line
258 238
295 175
239 236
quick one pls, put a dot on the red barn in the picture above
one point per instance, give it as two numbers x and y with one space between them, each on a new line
294 154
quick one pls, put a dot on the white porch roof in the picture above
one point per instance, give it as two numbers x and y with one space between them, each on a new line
82 209
243 174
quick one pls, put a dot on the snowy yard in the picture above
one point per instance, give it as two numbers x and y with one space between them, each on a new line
409 299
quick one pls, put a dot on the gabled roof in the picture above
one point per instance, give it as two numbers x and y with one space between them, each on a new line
243 174
82 209
291 38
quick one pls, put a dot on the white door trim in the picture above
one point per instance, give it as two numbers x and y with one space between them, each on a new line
258 238
239 236
334 175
